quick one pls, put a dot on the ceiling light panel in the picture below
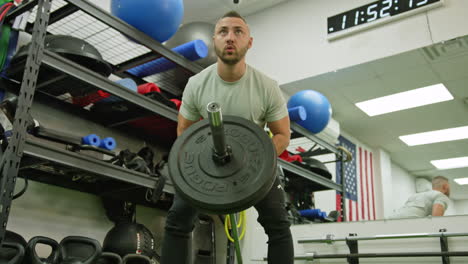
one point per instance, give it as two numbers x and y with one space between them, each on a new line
452 163
405 100
443 135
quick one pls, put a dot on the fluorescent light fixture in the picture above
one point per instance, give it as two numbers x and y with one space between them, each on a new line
405 100
461 181
435 136
453 163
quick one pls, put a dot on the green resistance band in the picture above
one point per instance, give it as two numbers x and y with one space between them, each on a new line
4 39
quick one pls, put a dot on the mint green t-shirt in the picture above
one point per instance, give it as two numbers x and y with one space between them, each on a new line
255 96
420 204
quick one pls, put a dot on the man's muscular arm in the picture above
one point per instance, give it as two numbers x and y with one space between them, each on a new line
281 134
183 124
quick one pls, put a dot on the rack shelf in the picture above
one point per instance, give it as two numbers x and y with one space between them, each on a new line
92 81
90 165
319 181
305 133
36 152
52 165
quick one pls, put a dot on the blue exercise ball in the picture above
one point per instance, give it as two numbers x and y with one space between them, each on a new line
317 107
159 19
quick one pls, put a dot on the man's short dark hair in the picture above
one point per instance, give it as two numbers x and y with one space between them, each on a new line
233 14
438 181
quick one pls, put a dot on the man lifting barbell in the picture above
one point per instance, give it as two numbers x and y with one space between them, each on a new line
226 182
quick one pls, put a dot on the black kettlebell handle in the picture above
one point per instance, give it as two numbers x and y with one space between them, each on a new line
31 254
130 257
82 240
113 257
20 249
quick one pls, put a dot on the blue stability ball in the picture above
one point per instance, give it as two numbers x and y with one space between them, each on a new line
317 107
159 19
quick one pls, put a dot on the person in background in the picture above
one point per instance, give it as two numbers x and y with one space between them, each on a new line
430 203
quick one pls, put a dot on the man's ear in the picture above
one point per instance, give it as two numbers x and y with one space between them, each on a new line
250 42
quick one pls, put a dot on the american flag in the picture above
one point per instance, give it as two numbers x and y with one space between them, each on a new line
359 179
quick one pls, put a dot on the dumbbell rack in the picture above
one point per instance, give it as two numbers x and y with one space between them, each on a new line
24 150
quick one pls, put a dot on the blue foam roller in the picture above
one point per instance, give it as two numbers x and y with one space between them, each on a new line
297 113
127 83
108 143
310 213
91 139
193 50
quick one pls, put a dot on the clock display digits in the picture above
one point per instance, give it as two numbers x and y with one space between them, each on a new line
384 11
343 24
374 11
423 2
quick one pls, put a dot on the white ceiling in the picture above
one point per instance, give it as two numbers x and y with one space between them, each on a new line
211 10
445 63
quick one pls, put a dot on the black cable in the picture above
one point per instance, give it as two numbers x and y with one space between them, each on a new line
20 193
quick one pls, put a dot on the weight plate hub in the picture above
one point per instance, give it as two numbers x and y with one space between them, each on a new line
228 188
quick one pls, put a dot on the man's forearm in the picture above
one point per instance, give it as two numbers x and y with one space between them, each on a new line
438 210
281 142
183 124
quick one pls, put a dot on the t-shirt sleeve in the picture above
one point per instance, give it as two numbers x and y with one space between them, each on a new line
188 109
442 199
277 108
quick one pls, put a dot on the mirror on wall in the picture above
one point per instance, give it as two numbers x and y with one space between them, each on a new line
402 166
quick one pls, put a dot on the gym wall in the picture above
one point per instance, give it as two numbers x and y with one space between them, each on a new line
297 30
47 210
403 186
461 206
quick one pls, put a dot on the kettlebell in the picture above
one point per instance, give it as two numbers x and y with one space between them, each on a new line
71 261
108 258
11 253
136 259
79 250
31 254
13 237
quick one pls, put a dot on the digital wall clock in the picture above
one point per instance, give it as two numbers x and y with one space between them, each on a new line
374 14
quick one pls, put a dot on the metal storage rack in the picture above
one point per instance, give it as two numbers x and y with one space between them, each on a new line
23 150
319 182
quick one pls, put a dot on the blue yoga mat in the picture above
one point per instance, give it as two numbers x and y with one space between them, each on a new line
127 83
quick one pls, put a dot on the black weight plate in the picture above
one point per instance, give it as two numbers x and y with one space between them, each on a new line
228 188
75 49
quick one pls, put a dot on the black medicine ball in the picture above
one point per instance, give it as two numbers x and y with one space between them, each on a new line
129 238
